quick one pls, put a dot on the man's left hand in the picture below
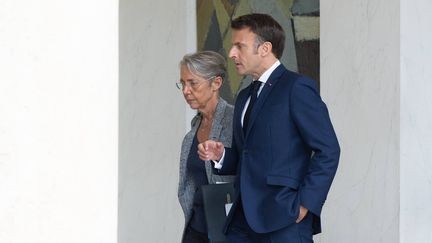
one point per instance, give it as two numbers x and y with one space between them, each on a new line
302 214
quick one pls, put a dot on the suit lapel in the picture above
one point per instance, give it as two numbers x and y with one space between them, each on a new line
216 128
274 77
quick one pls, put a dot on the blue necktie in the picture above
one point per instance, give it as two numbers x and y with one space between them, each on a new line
253 97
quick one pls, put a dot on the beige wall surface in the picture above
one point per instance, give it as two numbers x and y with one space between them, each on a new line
416 122
153 38
360 83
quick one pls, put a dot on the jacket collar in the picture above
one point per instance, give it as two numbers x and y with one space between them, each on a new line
217 120
268 86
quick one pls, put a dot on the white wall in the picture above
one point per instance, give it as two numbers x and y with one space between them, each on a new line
58 121
360 82
153 38
416 121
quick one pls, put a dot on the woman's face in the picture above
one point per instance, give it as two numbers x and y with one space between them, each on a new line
197 91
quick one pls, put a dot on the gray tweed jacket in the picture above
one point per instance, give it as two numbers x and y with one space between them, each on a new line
221 131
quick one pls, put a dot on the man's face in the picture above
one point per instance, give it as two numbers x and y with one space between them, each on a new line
246 53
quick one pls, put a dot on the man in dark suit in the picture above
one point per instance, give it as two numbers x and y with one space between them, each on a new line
285 152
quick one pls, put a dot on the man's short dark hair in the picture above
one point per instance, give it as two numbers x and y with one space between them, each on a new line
266 29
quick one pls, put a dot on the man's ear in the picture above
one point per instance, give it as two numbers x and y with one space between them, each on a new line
217 83
266 48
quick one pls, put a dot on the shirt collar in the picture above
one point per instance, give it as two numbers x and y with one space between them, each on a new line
265 76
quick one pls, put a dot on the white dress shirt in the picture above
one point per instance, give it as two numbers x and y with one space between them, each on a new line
264 77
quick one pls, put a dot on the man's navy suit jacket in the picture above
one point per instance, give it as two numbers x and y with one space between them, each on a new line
288 156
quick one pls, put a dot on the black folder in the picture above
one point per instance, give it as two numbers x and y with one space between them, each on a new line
215 198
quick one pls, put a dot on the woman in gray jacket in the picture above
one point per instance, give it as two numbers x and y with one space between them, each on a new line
201 77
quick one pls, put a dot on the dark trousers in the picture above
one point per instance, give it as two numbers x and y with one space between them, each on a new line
240 232
193 236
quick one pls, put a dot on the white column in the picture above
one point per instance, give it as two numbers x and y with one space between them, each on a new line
153 38
191 44
58 121
416 121
360 83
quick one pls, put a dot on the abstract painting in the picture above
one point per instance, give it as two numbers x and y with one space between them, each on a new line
298 18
